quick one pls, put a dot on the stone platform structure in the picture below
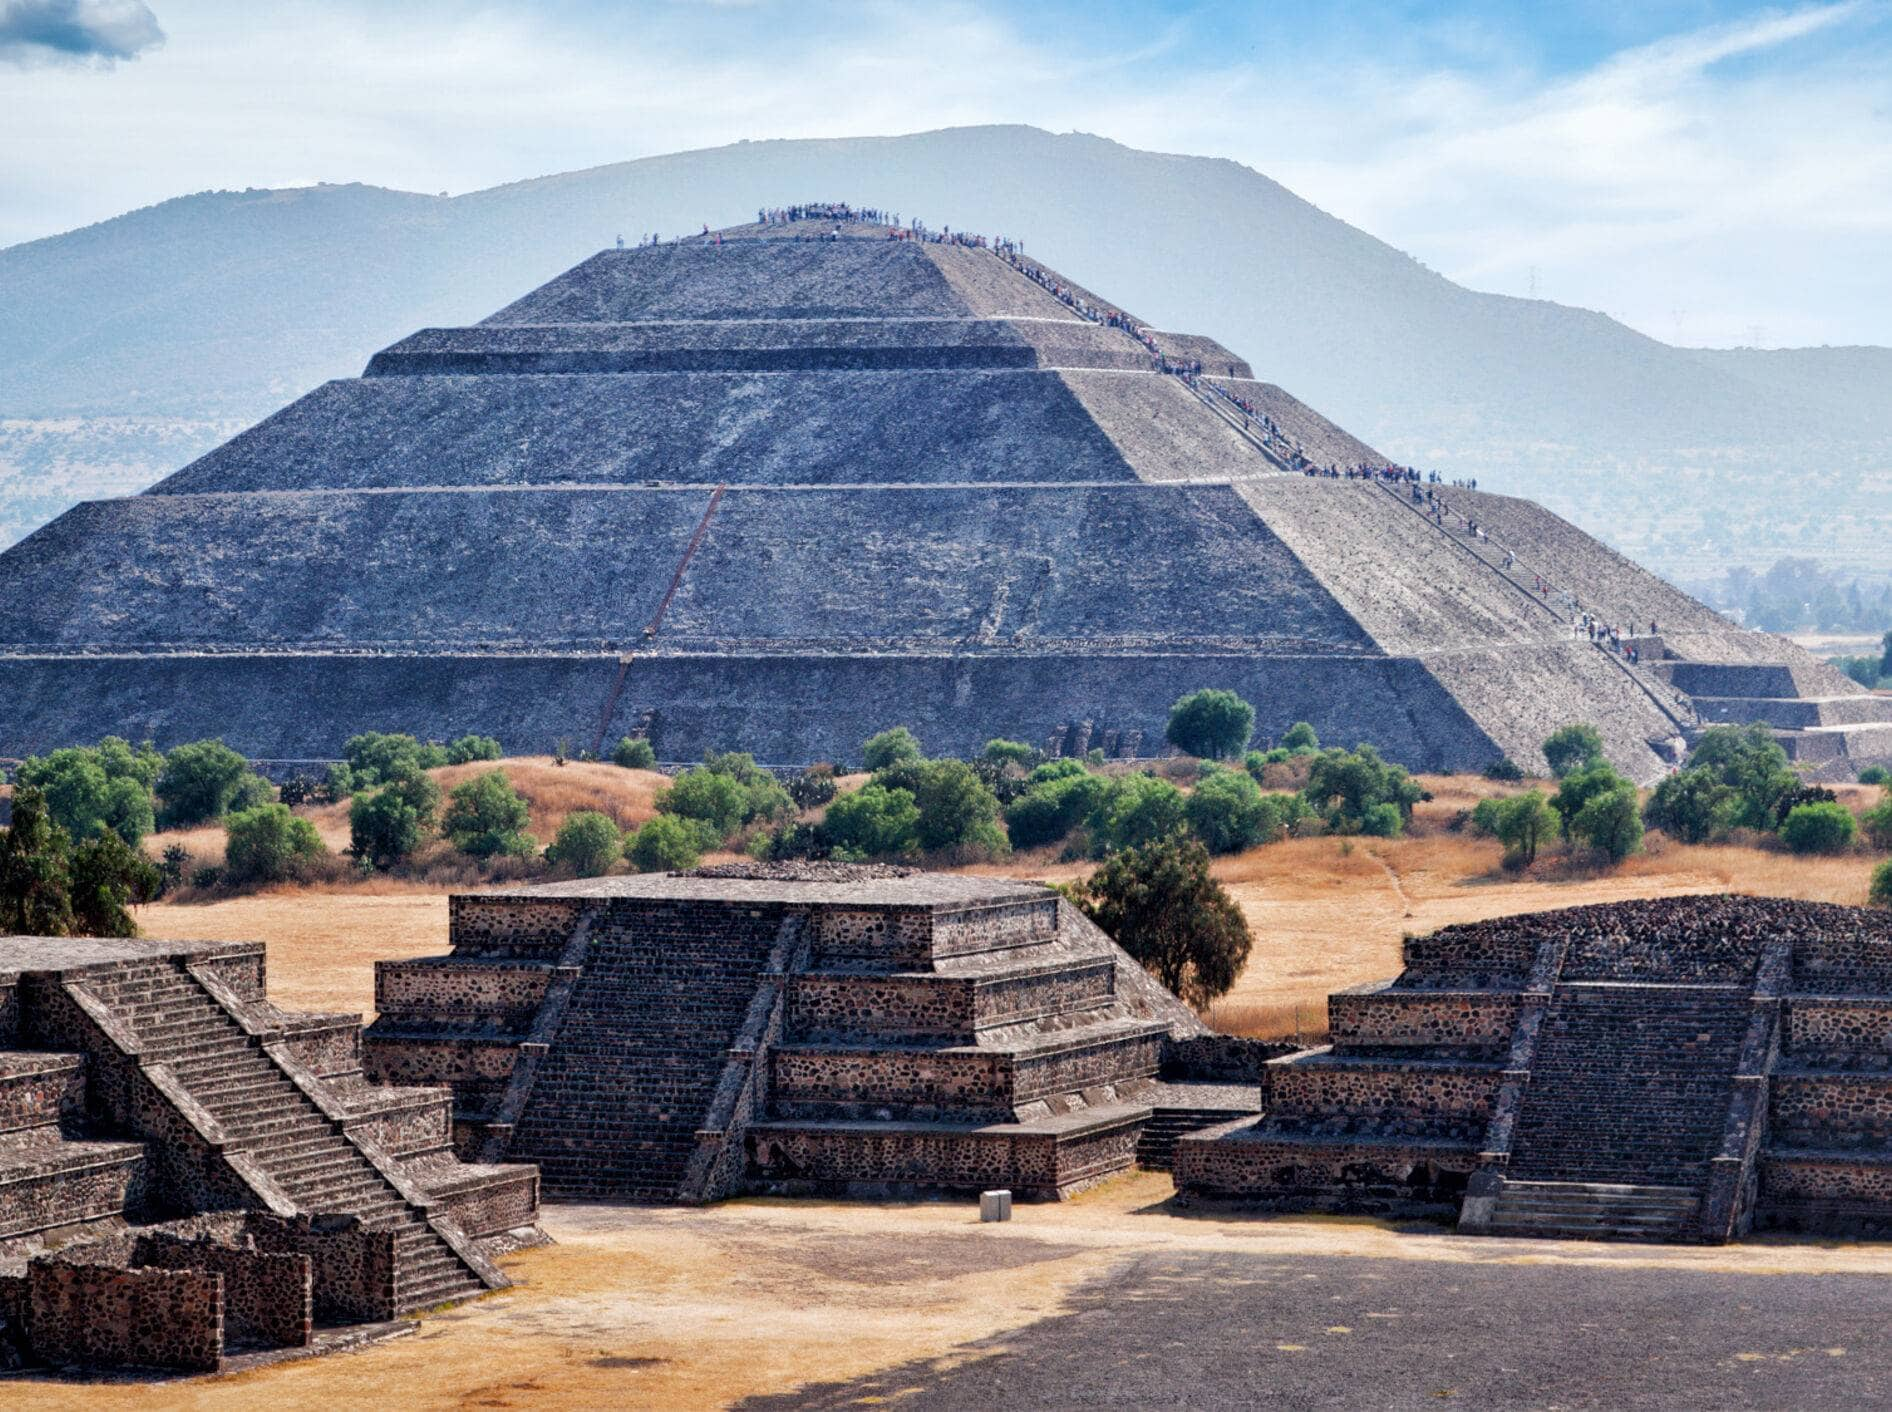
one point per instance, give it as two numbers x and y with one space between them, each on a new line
781 487
1683 1069
169 1139
678 1038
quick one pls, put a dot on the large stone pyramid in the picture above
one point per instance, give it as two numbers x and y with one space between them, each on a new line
782 486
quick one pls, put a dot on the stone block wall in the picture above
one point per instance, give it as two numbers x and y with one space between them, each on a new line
38 1089
1852 1031
110 1315
536 930
351 1268
494 991
1471 1022
267 1298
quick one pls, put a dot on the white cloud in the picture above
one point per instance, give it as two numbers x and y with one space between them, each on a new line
1726 173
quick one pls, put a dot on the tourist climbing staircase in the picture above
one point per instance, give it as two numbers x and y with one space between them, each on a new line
619 1096
1626 1107
264 1114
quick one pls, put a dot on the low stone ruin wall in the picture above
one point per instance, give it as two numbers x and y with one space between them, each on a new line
267 1298
114 1316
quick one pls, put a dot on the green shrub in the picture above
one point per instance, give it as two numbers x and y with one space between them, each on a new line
1577 788
1343 785
890 747
1211 724
1818 828
386 826
1609 821
268 844
1504 768
199 783
1875 774
1010 752
957 810
1572 748
1133 810
1880 891
35 870
872 822
1693 806
1522 823
1159 904
666 843
1056 770
486 818
1229 813
1300 739
251 792
469 749
1049 810
587 842
339 782
1751 762
1484 817
633 752
1877 822
813 787
1382 821
374 756
108 876
726 793
107 786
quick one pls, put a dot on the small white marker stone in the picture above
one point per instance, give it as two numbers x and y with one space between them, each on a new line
995 1206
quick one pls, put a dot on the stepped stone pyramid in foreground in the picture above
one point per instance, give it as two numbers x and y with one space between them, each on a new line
781 487
800 1028
1681 1069
186 1170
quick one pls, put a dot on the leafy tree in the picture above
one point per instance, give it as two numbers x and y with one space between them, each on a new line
717 800
1010 752
486 818
1229 813
1048 810
1609 820
1382 821
890 747
108 876
666 843
374 756
957 810
1573 748
1162 907
1877 823
1484 817
176 858
1875 774
634 753
200 782
1522 823
1867 671
339 782
1579 787
1818 828
1504 768
1693 806
1300 739
268 844
588 842
1343 785
813 787
386 826
35 876
107 786
470 748
1880 892
1211 724
872 822
1133 810
1750 761
1056 770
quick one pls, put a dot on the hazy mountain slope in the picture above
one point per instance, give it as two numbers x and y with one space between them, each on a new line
226 304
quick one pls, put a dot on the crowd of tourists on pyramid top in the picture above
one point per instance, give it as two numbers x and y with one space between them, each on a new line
824 211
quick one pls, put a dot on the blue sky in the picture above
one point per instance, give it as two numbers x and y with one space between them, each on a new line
1711 173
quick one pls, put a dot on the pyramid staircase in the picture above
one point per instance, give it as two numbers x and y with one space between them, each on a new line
55 1174
293 1157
